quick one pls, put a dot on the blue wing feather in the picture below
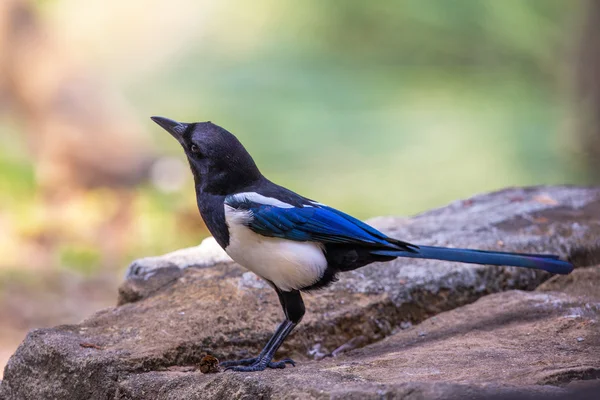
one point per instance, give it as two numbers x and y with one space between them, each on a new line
324 224
357 222
311 223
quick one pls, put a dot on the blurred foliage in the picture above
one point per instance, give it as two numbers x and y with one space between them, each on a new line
520 35
419 101
84 259
387 107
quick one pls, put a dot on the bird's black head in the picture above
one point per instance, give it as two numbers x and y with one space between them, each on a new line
219 162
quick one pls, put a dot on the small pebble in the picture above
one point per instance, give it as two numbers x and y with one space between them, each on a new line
209 365
422 333
580 339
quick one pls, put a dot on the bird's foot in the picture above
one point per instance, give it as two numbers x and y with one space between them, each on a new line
255 364
243 361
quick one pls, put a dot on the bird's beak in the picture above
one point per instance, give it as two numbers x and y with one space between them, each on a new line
175 128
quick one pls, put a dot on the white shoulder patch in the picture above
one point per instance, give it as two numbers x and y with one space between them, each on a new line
259 198
237 217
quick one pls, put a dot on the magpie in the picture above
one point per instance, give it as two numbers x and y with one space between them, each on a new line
294 243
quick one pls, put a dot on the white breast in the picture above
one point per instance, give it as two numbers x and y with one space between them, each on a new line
286 263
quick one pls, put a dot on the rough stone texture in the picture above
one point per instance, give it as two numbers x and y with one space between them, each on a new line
207 254
515 342
583 282
521 339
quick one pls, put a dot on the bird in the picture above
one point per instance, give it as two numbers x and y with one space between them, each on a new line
292 242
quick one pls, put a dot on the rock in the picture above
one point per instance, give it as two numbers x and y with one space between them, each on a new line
207 254
515 337
306 384
171 315
581 282
505 344
500 343
138 287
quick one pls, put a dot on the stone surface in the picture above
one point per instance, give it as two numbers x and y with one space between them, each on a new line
171 315
499 343
207 254
583 282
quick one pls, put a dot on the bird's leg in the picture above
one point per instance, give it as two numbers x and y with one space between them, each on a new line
293 307
250 361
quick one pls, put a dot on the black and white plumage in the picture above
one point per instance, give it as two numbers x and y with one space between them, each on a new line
305 240
292 242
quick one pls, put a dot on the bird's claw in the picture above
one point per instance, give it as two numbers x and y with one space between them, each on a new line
255 364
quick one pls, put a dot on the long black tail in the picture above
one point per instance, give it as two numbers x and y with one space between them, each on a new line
546 262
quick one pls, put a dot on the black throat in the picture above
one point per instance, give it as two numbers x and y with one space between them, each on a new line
212 210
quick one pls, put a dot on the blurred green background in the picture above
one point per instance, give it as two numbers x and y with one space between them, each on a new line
376 108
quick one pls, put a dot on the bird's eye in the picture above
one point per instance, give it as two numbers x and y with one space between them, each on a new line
195 149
